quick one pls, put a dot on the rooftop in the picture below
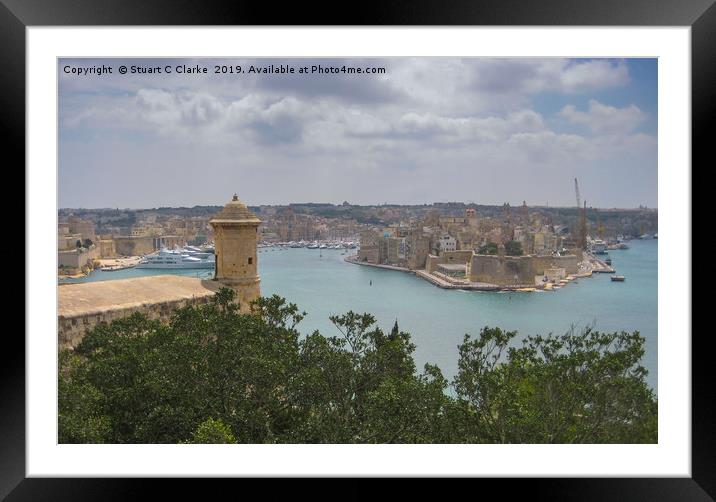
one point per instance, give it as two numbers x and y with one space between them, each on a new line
235 211
100 296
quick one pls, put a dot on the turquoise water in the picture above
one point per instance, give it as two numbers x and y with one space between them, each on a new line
323 284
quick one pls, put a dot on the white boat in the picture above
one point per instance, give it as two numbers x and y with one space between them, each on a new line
599 247
177 259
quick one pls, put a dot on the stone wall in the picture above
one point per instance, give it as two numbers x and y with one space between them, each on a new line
432 262
77 259
71 329
419 248
133 246
516 270
501 270
448 258
459 256
235 251
107 249
567 262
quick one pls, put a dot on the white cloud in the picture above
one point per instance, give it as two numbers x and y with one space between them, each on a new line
591 75
463 120
605 119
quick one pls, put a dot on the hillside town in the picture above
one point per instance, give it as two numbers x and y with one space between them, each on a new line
461 245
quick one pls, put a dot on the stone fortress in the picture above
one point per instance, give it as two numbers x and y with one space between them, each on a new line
82 306
454 251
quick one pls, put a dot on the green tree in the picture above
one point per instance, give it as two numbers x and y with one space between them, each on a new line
583 387
212 431
513 248
81 417
395 332
489 248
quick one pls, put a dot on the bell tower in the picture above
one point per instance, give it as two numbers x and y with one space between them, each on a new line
235 240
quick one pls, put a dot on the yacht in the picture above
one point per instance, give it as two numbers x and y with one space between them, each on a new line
599 247
177 258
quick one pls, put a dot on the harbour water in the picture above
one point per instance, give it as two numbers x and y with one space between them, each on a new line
323 284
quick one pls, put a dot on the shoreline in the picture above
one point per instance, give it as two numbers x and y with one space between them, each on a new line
598 266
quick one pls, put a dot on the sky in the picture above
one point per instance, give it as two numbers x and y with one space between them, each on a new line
426 130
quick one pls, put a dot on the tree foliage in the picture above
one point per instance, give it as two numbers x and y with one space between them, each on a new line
212 431
513 248
488 248
215 375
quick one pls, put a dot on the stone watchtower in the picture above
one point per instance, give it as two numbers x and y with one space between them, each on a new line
235 239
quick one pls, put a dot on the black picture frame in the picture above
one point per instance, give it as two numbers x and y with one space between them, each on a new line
700 15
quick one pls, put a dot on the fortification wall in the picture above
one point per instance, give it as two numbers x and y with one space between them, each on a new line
511 270
504 271
77 259
432 262
71 329
462 256
368 254
567 262
133 246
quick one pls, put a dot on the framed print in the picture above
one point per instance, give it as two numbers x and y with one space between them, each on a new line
425 245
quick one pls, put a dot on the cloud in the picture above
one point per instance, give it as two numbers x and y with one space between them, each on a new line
532 76
481 124
605 119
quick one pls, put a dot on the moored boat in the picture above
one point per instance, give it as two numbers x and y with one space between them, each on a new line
177 258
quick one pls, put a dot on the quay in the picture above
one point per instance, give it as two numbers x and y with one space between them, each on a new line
354 259
444 282
599 266
473 286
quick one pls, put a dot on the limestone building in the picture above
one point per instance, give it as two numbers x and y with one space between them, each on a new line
235 239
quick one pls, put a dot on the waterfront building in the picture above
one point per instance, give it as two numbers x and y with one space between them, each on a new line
447 243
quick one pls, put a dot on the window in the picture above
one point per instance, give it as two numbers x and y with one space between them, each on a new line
251 260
